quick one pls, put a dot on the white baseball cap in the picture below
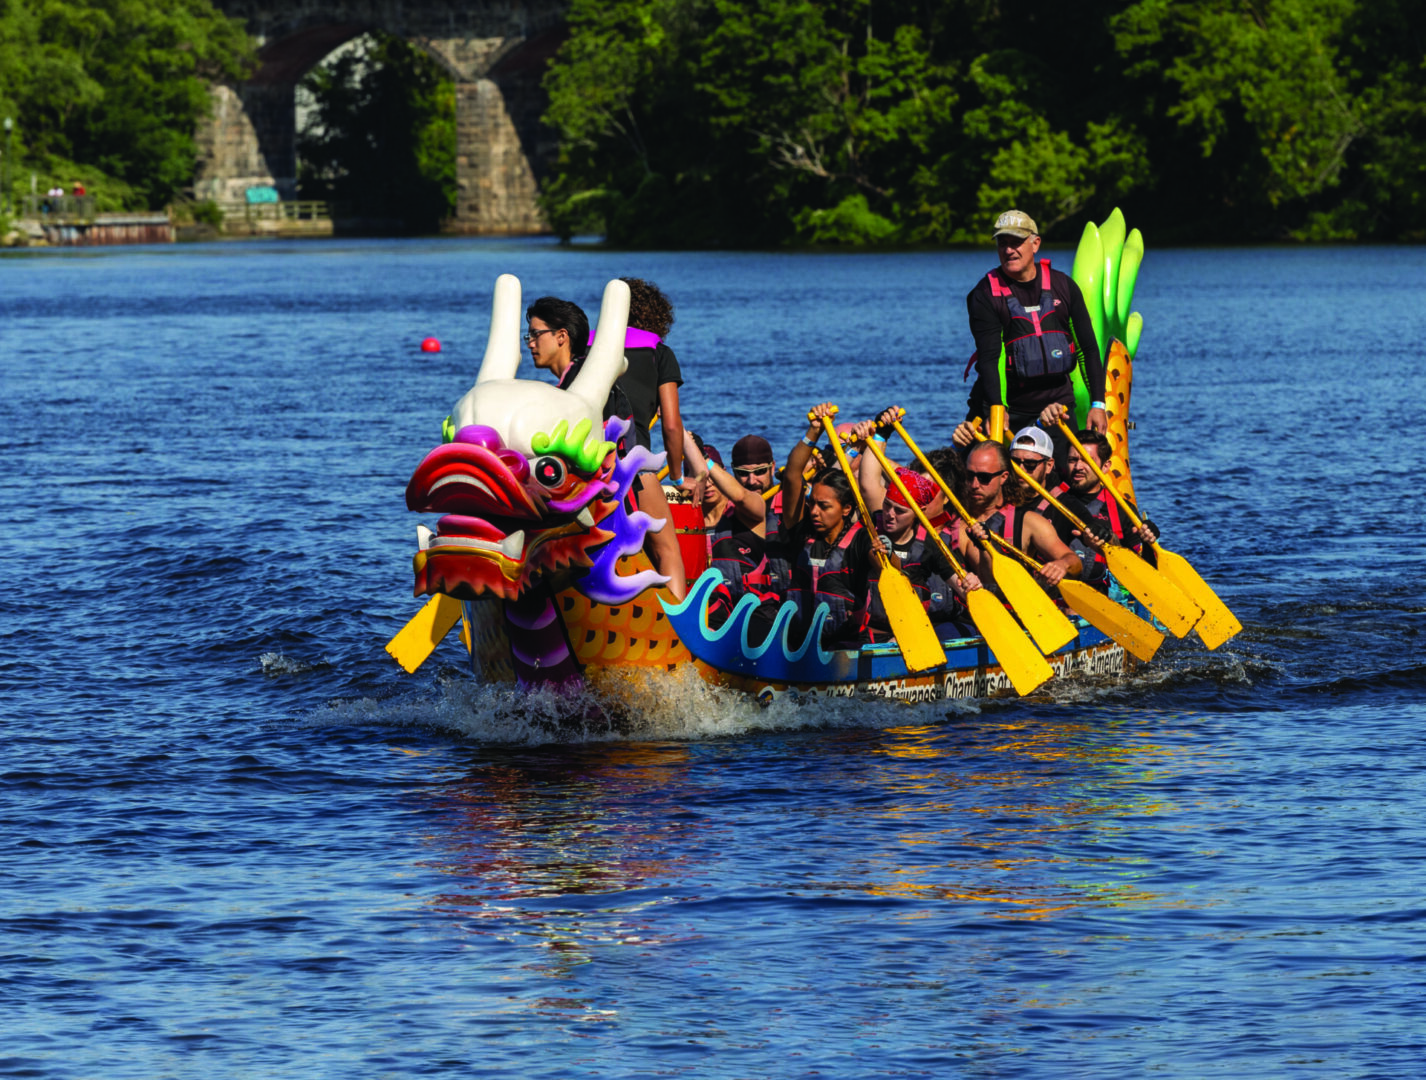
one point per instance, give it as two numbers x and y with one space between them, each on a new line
1035 440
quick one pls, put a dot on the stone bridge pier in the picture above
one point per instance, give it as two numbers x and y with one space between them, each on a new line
496 52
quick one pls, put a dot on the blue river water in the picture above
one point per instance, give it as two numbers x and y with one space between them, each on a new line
237 841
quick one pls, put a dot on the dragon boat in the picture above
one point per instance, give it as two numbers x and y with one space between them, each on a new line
538 552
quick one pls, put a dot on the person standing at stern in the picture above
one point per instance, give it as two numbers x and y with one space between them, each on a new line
1034 341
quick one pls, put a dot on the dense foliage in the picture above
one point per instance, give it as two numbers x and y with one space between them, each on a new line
117 85
698 122
381 136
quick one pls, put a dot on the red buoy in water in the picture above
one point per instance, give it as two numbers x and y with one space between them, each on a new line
430 345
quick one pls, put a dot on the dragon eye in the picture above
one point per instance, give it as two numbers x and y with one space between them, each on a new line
549 471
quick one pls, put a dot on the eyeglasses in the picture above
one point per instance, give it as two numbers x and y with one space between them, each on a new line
534 335
984 478
750 470
1029 463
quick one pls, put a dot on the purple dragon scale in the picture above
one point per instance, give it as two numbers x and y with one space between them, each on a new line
603 584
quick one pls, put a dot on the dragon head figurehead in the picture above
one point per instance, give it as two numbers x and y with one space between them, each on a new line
529 480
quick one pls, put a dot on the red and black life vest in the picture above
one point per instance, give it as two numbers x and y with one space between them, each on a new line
1058 491
1037 342
1104 507
1007 522
878 625
832 583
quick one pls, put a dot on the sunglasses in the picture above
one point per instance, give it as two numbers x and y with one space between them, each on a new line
752 470
534 335
984 478
1029 463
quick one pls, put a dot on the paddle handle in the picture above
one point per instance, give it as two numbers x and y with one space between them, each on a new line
1103 479
931 530
1024 556
945 487
852 480
807 474
950 495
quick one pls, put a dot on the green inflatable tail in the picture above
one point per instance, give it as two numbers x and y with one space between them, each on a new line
1106 269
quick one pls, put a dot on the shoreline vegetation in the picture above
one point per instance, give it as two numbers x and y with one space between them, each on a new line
789 123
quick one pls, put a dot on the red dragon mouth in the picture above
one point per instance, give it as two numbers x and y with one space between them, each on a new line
496 534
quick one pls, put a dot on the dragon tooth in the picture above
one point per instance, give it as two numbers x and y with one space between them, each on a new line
423 537
513 544
585 517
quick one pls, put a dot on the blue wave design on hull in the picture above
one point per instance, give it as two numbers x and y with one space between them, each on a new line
777 659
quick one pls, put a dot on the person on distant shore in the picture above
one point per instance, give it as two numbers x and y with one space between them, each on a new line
555 326
1034 340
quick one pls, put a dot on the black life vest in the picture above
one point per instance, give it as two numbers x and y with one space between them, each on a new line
775 578
719 531
1058 491
1007 522
832 584
738 557
1104 507
911 554
1038 341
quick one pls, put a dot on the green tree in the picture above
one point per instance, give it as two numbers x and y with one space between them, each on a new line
842 121
119 85
381 136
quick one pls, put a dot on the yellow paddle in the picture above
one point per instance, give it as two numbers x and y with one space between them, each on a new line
1218 624
1014 652
1137 636
1046 623
909 622
1157 593
415 641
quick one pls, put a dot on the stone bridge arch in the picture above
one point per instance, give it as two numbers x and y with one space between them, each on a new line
496 52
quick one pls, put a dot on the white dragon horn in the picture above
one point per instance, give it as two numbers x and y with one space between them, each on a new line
502 348
606 361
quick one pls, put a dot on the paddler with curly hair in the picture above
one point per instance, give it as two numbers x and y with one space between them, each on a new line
1034 341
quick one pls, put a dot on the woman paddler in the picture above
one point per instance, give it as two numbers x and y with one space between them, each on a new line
834 557
938 587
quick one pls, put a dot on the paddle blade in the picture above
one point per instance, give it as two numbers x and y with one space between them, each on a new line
418 638
1047 623
1218 623
909 621
1156 592
1138 637
1014 652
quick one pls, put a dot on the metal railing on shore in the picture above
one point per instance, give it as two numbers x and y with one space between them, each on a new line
294 210
59 207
